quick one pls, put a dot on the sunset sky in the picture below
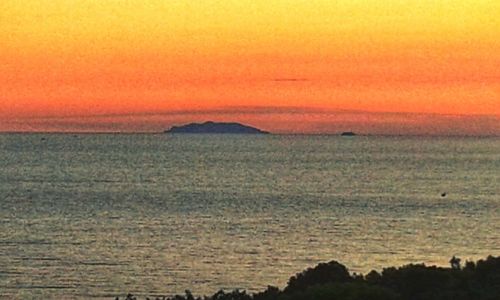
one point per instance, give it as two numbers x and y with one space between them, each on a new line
303 66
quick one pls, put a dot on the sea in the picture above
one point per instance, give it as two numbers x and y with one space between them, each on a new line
102 215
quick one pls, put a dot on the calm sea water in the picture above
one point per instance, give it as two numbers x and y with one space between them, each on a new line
101 215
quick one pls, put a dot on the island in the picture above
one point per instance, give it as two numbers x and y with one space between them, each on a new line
216 128
348 133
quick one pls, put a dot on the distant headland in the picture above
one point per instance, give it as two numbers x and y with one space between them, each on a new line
216 128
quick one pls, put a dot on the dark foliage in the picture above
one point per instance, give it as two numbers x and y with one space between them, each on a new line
332 272
332 281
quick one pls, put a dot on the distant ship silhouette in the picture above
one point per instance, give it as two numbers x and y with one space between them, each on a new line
216 128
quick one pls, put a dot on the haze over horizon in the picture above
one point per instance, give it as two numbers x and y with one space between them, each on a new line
374 67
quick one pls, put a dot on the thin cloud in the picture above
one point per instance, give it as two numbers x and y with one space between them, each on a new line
253 110
235 110
290 79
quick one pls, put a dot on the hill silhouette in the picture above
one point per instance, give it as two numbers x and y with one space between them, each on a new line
216 128
332 281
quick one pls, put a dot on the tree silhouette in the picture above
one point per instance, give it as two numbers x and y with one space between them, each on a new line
455 263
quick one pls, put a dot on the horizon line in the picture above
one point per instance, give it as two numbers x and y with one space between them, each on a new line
233 134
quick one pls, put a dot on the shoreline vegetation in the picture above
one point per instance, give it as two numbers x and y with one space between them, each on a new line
332 281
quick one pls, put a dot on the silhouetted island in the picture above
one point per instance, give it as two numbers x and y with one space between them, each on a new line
348 133
213 127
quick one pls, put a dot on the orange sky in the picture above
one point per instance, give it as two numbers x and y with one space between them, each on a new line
393 66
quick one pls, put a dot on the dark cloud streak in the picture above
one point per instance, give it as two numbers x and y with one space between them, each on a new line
250 110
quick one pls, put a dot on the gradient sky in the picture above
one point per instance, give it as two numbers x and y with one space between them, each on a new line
303 66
